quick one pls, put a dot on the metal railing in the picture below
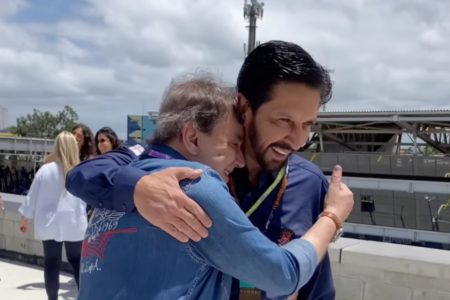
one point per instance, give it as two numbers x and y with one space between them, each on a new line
370 163
27 146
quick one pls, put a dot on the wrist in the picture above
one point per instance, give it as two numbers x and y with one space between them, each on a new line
337 222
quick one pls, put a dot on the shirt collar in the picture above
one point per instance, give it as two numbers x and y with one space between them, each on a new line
164 149
243 184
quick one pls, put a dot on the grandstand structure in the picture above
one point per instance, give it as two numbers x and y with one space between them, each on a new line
383 131
398 166
402 145
27 148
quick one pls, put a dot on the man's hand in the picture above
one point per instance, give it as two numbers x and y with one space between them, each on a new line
160 200
339 198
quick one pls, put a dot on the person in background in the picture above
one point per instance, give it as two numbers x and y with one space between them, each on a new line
58 216
85 141
106 140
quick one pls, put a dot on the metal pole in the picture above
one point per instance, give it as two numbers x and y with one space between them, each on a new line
251 33
252 12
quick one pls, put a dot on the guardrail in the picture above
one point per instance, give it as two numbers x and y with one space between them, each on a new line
399 235
370 163
21 145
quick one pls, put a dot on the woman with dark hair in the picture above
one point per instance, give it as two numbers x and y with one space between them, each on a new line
106 140
85 141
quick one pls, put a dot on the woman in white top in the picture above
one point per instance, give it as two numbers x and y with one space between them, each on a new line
58 216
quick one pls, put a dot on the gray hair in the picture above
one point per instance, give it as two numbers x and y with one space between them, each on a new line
198 99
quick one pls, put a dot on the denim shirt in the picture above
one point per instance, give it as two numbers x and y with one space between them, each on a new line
125 257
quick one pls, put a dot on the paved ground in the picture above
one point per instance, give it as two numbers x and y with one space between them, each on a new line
24 282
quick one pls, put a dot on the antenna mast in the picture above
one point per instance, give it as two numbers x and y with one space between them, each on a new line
252 12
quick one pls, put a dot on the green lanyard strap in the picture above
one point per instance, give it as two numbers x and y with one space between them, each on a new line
269 190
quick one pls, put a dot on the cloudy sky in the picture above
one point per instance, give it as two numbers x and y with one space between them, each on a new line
110 58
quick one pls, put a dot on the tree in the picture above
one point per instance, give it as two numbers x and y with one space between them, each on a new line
46 125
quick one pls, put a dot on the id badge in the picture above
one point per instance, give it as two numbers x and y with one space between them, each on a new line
248 292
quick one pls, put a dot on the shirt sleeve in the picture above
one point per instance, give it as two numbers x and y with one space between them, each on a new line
106 181
28 207
321 285
234 246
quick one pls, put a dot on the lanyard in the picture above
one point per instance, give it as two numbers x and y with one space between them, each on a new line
282 175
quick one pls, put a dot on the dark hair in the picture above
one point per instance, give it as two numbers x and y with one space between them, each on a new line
275 62
200 100
87 150
110 134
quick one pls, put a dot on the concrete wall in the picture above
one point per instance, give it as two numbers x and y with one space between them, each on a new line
13 240
370 270
363 270
13 243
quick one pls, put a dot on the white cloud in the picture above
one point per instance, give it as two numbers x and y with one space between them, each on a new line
11 6
116 57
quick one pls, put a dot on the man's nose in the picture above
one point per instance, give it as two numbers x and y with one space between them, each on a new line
298 138
240 161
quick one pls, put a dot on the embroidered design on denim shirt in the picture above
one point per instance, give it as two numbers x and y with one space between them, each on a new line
99 232
103 220
95 247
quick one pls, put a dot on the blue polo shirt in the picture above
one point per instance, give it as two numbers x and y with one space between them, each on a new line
300 206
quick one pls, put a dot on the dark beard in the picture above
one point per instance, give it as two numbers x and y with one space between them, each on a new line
259 155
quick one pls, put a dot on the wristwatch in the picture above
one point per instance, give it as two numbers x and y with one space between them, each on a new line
337 222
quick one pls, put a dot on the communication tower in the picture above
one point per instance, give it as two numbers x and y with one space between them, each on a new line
252 11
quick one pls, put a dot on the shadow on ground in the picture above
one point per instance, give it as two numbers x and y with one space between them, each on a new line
67 291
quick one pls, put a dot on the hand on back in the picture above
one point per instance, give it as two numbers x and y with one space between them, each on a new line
160 200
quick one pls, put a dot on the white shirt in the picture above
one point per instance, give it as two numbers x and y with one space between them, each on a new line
57 214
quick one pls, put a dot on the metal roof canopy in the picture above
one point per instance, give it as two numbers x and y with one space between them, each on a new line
381 131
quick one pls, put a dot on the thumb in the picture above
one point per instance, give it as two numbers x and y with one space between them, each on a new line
336 176
186 173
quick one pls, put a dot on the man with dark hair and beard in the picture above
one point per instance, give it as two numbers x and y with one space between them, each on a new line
280 90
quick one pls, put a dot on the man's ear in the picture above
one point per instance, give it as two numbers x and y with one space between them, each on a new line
244 108
189 138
